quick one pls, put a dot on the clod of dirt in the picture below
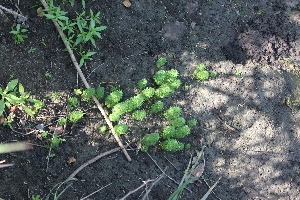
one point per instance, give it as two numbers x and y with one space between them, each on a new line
191 7
266 39
71 160
174 30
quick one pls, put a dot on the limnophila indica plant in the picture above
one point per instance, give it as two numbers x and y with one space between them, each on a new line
161 62
201 73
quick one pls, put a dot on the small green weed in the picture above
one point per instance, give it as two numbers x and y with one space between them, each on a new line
48 75
121 129
14 95
36 197
102 129
31 50
75 116
142 83
72 103
55 95
201 74
19 37
139 114
161 62
238 73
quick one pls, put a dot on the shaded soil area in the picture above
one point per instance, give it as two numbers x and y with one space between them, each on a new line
252 134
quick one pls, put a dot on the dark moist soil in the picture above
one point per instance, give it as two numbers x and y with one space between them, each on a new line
251 131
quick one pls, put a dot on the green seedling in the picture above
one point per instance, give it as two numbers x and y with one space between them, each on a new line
113 98
99 93
35 197
55 95
62 121
177 122
31 50
52 155
19 37
88 93
156 107
88 28
172 112
72 103
182 131
78 91
142 83
14 95
171 145
121 129
192 122
167 82
163 91
48 75
200 73
43 42
102 129
161 62
56 13
238 73
149 140
85 56
168 132
148 93
75 116
139 114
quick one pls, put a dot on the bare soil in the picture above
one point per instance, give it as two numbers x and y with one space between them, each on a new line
252 134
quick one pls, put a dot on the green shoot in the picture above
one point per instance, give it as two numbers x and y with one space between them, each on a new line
19 37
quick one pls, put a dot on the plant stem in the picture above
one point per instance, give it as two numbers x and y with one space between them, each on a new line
62 35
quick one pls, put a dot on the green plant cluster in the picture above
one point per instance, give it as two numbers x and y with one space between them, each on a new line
201 73
85 29
54 141
167 82
178 128
14 95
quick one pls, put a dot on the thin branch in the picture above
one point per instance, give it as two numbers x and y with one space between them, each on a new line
14 13
109 123
136 189
95 191
156 181
94 160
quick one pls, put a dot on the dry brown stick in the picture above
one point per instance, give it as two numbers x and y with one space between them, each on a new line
94 160
13 13
109 123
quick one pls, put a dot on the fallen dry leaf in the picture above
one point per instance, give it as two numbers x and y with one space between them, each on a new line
40 12
199 169
71 160
58 129
127 3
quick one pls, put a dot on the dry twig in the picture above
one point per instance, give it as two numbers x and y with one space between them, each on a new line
14 13
94 160
62 35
